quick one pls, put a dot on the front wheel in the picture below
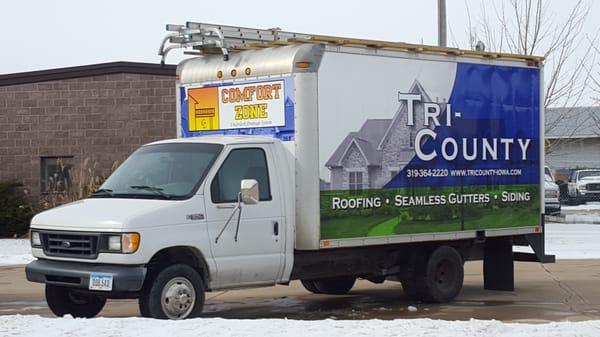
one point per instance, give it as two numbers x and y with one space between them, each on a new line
310 286
334 285
68 301
177 292
572 201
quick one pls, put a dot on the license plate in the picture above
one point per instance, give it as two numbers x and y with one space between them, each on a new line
103 282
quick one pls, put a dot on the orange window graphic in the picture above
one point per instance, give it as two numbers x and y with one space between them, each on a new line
203 109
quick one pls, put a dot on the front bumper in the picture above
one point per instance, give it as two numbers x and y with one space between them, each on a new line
589 195
552 208
77 274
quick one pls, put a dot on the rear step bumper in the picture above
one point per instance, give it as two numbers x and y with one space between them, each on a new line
531 257
537 244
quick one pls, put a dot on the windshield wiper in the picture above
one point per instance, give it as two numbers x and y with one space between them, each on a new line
106 191
156 190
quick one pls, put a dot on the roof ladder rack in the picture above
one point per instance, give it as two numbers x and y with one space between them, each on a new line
210 39
207 38
183 37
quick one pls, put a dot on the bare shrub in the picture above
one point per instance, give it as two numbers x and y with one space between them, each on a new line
72 184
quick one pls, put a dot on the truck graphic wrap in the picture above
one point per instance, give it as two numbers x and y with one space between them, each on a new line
248 108
446 147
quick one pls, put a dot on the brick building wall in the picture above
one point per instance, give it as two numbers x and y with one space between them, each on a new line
103 117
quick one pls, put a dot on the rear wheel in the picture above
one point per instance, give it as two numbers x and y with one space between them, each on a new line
176 292
310 286
440 279
335 285
409 287
77 303
410 277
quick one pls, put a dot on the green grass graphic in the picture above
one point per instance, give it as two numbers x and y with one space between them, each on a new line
390 220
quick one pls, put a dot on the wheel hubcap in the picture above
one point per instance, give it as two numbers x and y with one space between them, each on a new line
444 275
178 298
77 298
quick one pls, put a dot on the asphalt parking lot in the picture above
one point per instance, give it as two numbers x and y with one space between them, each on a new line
567 290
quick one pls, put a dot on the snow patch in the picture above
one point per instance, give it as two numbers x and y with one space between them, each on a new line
34 325
15 252
589 206
570 241
583 218
573 241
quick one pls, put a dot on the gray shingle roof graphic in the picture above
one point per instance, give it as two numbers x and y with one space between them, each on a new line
369 139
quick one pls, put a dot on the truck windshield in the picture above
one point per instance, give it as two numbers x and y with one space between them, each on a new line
589 174
161 171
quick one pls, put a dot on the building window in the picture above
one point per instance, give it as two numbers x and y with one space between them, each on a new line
355 181
393 173
411 140
56 174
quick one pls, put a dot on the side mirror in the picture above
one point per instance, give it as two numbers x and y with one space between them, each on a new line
249 191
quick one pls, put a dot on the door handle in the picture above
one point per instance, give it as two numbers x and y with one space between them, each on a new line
226 206
275 228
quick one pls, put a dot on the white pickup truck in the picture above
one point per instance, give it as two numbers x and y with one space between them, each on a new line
583 186
311 158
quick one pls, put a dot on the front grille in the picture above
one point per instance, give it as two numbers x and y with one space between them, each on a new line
593 187
83 246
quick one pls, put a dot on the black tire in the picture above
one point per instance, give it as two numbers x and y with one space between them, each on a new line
410 277
574 201
169 279
310 286
441 278
68 301
410 289
335 285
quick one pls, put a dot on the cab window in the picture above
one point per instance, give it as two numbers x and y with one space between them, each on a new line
241 164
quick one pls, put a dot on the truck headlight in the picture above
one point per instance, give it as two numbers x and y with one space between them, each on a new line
124 243
114 243
36 240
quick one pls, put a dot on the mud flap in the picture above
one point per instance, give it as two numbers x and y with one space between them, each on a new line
498 264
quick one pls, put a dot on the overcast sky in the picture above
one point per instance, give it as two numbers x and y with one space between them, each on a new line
59 33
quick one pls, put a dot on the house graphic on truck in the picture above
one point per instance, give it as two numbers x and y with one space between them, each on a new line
379 150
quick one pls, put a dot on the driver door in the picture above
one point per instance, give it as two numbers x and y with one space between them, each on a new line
257 255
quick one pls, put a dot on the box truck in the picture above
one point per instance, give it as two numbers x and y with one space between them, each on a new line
311 158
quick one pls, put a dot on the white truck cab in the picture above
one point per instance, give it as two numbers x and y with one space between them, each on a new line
311 158
173 197
583 186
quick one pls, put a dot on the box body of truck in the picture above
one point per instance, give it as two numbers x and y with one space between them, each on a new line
310 158
389 146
